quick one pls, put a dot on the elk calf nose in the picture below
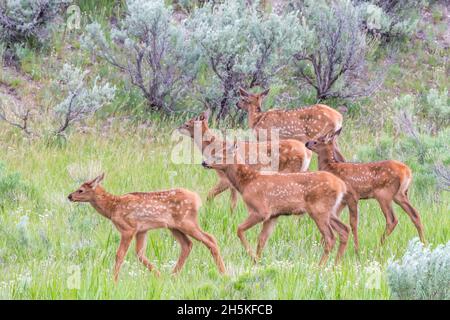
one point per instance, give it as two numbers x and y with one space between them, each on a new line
205 165
69 197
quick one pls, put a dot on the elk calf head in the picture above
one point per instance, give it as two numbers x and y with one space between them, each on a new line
201 121
86 192
323 143
251 101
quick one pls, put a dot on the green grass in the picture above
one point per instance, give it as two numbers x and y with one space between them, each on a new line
38 254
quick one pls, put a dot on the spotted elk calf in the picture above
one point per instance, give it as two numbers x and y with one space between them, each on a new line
133 214
270 195
302 124
385 181
293 156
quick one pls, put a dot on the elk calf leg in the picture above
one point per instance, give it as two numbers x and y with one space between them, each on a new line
353 213
266 231
343 232
220 187
214 248
234 198
251 220
209 241
125 241
391 220
186 247
141 240
403 202
328 239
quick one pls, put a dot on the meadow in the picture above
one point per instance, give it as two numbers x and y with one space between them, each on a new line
51 248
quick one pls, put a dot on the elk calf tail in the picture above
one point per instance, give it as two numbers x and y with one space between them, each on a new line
405 181
197 201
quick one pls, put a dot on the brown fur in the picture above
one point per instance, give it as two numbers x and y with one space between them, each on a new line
133 214
269 195
302 124
385 181
293 155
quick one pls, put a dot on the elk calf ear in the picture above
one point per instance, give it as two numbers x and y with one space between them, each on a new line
265 93
205 115
326 138
94 183
243 93
333 136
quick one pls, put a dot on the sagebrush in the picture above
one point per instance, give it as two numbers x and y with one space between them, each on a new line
422 273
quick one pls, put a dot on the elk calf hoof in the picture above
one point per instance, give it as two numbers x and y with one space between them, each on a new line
157 273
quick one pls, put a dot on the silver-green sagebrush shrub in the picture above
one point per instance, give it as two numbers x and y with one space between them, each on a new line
149 47
389 19
422 273
241 46
27 20
437 107
81 101
334 61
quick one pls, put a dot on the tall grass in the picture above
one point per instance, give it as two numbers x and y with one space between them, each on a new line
101 8
45 240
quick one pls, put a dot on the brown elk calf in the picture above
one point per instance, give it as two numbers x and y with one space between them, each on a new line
302 124
293 156
270 195
133 214
385 181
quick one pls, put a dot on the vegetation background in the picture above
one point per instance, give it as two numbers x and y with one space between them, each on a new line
73 104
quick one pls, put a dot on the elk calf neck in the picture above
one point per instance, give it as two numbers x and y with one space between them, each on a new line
293 155
133 214
385 181
269 195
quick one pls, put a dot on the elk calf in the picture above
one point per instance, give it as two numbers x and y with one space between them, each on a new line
385 181
133 214
293 156
302 124
270 195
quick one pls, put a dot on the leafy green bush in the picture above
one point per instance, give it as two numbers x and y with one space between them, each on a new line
422 273
437 107
433 111
414 143
421 153
11 185
422 137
